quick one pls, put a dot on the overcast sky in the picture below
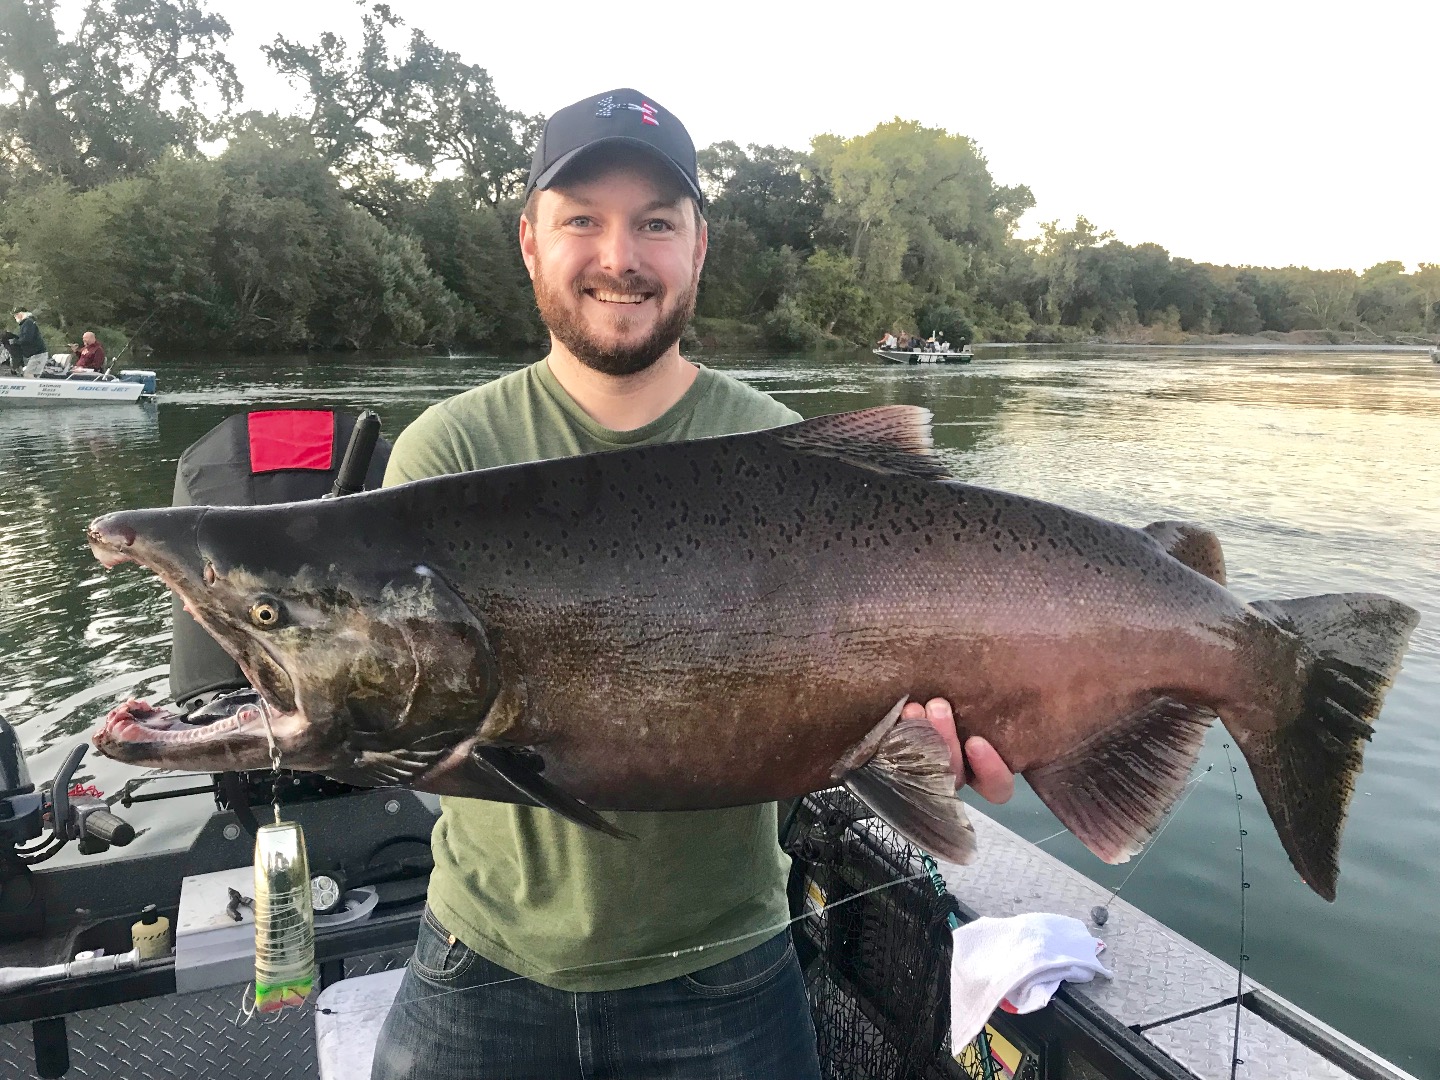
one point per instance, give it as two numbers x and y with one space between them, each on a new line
1260 132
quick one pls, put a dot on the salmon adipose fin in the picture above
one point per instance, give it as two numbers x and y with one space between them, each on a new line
904 775
1305 765
1113 789
1194 545
518 767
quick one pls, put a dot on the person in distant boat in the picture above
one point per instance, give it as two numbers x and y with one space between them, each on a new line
89 354
888 341
28 341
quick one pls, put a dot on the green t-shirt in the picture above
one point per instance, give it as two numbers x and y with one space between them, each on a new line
558 903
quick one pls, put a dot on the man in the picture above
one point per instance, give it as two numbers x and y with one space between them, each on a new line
28 341
548 950
89 354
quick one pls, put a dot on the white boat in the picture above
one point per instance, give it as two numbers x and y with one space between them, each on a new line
55 381
109 391
925 356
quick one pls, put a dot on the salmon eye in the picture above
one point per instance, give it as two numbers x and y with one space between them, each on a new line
265 613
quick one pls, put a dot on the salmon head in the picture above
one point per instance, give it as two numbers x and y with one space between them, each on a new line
360 668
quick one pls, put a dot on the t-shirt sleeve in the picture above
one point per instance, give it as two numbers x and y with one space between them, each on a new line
424 449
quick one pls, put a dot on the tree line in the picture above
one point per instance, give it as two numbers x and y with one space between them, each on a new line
139 194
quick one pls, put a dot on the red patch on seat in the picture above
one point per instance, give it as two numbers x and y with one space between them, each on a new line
292 439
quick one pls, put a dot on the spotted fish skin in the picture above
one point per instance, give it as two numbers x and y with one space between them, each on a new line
721 622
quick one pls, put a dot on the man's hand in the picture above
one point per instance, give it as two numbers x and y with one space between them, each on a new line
978 765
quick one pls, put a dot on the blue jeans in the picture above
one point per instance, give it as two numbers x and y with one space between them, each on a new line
460 1017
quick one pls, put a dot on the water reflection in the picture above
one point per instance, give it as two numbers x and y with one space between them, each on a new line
1318 470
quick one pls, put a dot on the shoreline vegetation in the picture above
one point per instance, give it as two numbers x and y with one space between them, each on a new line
140 199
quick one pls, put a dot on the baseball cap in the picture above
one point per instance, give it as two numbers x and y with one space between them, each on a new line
617 116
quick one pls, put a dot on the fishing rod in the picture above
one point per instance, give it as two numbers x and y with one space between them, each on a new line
129 344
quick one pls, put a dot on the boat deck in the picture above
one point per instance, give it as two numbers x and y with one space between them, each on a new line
1168 990
1169 1011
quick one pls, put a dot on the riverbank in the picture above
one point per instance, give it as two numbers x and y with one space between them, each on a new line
738 334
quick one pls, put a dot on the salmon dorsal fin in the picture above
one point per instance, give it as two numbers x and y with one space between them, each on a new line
890 438
1194 545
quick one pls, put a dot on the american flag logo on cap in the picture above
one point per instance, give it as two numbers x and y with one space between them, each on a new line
608 105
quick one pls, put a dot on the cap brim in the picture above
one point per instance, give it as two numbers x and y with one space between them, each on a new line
548 178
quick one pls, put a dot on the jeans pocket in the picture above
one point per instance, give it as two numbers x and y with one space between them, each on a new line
439 955
748 971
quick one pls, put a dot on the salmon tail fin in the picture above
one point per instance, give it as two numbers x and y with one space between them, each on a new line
906 779
1305 767
1113 790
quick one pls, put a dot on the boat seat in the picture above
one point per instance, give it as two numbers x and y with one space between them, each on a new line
348 1016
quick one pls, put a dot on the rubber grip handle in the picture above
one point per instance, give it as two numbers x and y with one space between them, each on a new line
107 827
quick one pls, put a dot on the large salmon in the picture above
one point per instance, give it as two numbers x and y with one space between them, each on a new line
740 619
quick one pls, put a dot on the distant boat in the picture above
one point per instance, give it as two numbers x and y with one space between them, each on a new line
51 381
925 356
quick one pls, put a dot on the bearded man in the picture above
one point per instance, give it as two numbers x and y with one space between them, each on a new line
547 950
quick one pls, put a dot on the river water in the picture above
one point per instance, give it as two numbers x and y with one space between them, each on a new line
1319 471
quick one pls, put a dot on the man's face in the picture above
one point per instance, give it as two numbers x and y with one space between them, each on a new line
615 261
88 338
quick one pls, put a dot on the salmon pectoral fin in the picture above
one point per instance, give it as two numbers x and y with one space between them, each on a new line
1304 766
907 781
1113 789
520 768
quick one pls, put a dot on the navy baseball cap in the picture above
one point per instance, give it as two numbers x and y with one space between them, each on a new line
616 117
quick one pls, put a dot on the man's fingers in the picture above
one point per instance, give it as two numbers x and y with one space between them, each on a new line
978 764
989 775
937 711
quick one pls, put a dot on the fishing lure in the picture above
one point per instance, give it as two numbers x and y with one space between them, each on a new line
284 918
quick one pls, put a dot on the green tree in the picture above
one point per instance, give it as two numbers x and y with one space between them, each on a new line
1387 300
476 253
832 298
1427 286
1326 299
357 101
774 190
915 203
454 116
116 95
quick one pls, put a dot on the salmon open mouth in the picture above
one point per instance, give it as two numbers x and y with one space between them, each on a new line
137 722
267 710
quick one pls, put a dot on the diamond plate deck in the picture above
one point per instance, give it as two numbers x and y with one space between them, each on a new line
1202 1043
1158 974
185 1037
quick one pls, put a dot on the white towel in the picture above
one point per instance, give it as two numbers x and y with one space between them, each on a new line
1020 961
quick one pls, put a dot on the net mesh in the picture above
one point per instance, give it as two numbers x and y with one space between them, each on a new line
877 967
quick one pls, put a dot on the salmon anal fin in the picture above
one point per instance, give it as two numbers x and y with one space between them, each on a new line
1113 789
907 781
1194 545
889 438
518 768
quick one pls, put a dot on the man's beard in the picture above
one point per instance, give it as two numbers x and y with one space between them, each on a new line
559 310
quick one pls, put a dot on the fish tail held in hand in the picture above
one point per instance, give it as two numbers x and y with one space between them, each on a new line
1305 764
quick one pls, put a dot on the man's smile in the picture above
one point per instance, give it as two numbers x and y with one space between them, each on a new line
605 296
